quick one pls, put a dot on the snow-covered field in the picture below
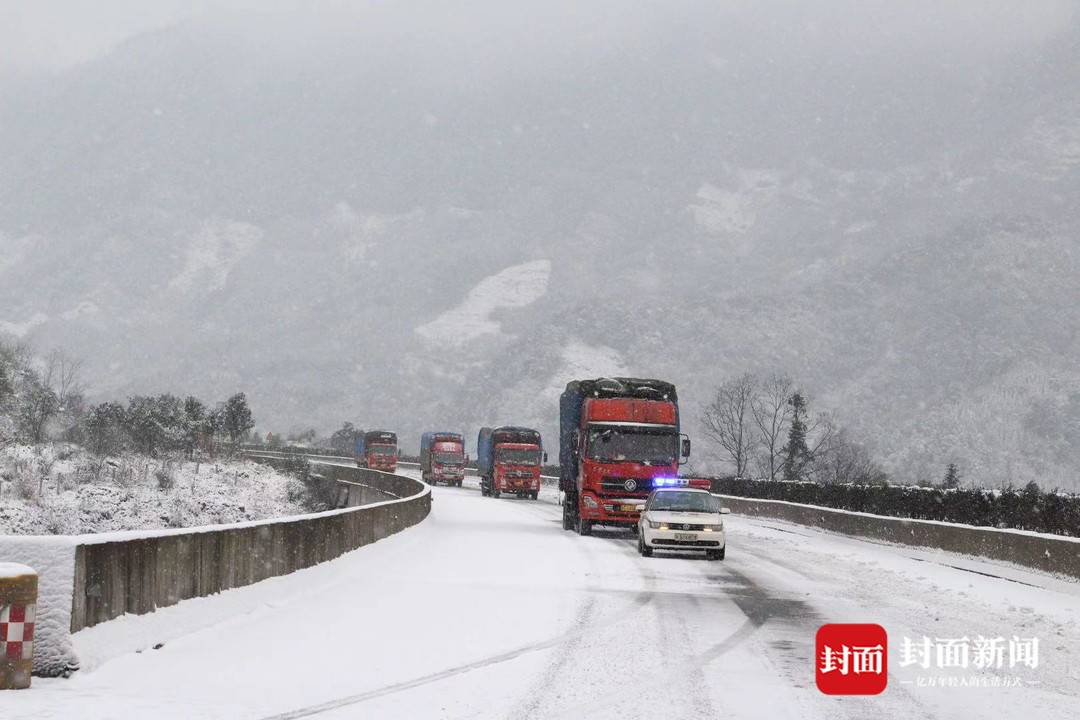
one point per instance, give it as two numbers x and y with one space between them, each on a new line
489 610
60 489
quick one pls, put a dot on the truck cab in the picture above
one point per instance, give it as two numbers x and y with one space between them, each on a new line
442 458
509 460
377 450
621 441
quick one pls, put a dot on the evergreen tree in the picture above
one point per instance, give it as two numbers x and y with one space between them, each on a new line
104 428
344 440
193 423
237 419
796 452
952 476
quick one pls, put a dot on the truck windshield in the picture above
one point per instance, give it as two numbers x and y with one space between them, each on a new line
381 450
684 502
448 458
517 457
618 443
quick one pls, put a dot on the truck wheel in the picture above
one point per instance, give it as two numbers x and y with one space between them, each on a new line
534 494
569 512
642 548
496 492
584 527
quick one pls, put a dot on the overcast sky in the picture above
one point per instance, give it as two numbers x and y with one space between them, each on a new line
51 34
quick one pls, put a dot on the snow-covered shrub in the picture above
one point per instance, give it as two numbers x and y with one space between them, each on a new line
26 485
87 494
165 479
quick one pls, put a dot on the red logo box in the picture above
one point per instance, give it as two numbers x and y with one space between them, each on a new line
851 659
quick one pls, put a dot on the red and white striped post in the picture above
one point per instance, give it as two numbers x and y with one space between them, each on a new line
18 603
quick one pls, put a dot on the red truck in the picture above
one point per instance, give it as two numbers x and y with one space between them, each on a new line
442 458
508 460
619 439
377 450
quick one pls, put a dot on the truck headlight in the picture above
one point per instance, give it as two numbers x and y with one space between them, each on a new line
590 502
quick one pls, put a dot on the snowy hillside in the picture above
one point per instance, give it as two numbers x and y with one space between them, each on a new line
438 228
59 490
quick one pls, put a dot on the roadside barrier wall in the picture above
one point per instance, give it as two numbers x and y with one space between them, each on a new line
1051 553
90 579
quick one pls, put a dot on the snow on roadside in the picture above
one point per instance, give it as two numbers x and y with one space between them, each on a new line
62 490
53 559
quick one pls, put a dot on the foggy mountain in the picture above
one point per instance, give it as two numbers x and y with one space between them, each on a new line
418 219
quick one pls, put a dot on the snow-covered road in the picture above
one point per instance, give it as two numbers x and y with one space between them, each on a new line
489 610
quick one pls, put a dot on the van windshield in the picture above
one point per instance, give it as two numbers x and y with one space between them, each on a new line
684 502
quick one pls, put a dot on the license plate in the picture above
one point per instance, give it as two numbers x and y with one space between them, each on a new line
685 536
629 508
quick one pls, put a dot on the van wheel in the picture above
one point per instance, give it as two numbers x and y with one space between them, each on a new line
642 548
715 554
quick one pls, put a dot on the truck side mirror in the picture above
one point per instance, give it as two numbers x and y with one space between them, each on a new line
545 457
685 447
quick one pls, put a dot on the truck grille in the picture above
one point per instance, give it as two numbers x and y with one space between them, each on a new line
618 485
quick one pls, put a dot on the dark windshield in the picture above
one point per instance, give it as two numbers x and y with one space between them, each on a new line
684 502
517 457
615 443
448 458
382 450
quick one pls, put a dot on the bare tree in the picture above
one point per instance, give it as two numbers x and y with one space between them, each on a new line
771 410
62 374
728 420
840 459
38 403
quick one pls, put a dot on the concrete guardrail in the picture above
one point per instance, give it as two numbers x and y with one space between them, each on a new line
1052 554
90 579
139 575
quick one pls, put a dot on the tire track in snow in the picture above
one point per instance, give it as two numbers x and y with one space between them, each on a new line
583 624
